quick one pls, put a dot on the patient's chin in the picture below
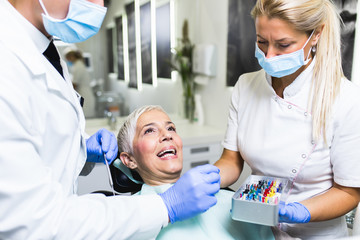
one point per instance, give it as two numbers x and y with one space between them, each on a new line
174 173
175 168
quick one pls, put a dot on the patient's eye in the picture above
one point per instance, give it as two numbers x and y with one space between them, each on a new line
149 130
172 128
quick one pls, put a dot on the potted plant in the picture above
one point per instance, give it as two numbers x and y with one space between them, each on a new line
182 63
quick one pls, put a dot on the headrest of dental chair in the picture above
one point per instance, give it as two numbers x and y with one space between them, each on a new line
122 183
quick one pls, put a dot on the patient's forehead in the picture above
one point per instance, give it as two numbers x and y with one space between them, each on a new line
152 116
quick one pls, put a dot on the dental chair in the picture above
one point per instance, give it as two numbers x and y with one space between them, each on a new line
122 184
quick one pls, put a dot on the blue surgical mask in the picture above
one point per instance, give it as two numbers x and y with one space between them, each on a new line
282 65
83 20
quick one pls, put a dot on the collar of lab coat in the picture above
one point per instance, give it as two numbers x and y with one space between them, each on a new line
16 37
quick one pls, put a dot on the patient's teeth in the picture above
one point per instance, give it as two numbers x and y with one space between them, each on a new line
167 152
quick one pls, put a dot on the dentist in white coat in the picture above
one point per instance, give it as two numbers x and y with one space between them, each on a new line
43 146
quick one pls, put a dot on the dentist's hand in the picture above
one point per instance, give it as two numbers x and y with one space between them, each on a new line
193 193
293 213
103 141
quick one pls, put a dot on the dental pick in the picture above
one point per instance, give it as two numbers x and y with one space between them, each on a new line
109 175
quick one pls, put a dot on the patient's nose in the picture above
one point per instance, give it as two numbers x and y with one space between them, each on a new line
166 137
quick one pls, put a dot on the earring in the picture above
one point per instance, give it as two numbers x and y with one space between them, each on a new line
313 49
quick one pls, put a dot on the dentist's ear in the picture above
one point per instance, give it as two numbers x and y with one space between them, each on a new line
128 160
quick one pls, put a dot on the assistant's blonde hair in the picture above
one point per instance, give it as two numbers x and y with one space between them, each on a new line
306 16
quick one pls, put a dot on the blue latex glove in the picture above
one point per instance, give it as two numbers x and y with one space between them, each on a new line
103 141
293 213
193 193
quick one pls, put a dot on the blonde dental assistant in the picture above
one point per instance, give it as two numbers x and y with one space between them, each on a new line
43 147
298 117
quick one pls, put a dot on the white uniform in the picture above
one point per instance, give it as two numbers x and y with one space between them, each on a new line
42 152
273 135
81 78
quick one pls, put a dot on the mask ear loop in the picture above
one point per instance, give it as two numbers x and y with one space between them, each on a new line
311 49
43 7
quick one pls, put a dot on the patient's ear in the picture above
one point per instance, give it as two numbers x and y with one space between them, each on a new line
128 160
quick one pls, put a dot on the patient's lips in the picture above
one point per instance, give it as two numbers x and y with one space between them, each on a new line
167 153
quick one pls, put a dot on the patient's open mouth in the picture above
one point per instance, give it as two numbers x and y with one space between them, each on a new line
167 153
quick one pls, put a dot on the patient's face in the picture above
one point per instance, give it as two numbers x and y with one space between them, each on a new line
157 148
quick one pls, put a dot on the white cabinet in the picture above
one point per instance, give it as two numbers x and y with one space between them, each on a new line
201 144
199 154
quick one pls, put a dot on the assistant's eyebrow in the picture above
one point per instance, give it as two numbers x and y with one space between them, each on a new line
284 39
258 35
277 40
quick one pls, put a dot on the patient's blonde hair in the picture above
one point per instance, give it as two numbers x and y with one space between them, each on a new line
127 131
306 16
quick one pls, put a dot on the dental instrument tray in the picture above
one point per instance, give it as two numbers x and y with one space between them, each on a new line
257 200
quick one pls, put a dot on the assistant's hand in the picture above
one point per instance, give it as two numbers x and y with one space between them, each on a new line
103 141
293 213
193 193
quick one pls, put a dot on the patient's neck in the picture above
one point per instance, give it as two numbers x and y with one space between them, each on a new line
159 181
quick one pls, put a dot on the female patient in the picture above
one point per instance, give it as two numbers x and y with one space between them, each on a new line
148 144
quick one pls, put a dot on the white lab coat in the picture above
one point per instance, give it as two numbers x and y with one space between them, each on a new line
42 152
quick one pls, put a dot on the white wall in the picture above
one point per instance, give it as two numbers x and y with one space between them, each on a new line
97 47
211 27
